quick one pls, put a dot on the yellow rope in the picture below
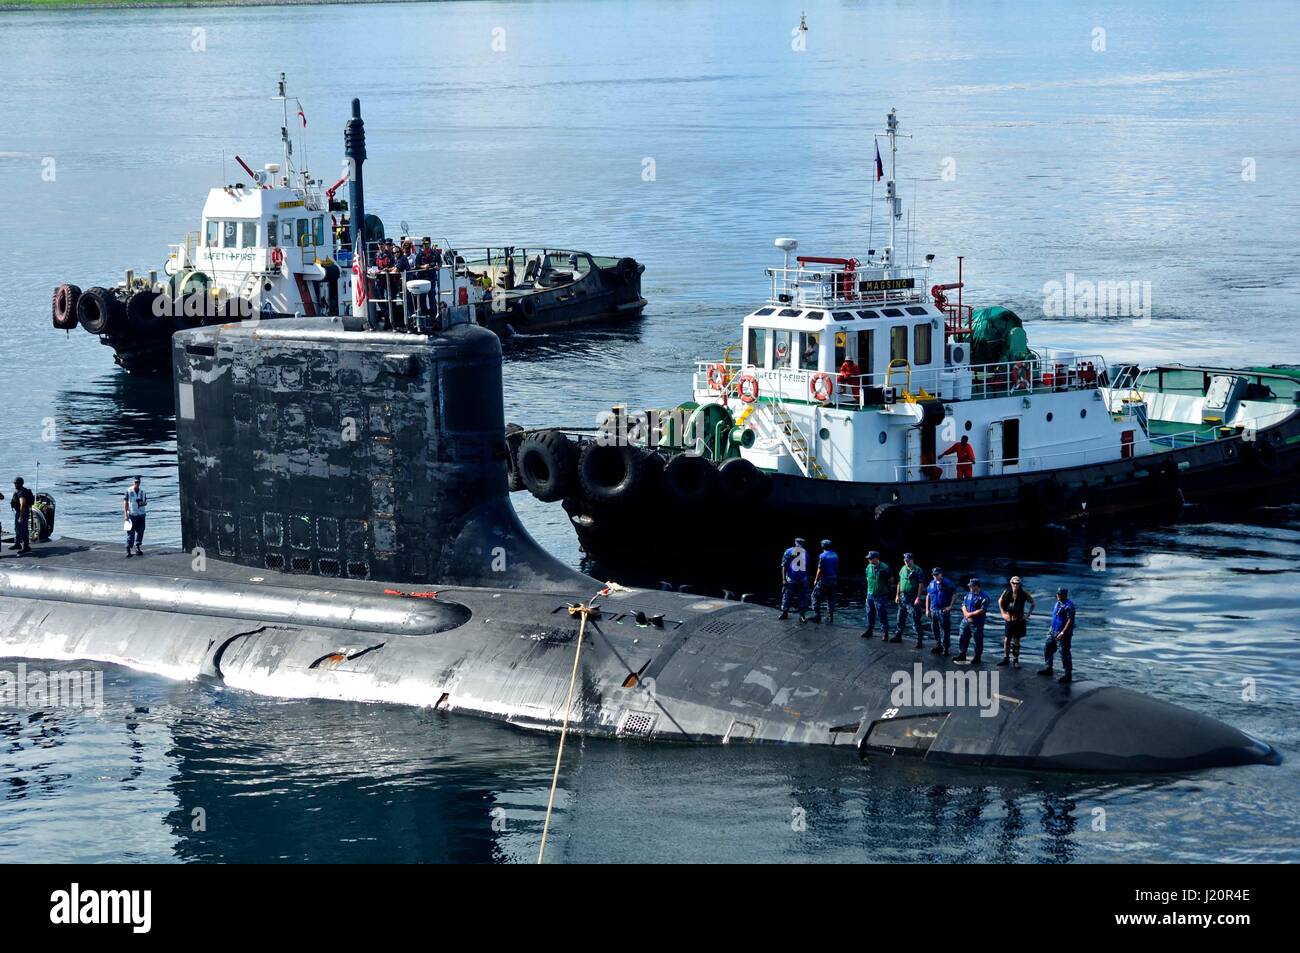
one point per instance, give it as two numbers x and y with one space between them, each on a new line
583 611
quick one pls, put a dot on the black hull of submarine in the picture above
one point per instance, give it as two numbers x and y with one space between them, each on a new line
717 672
348 535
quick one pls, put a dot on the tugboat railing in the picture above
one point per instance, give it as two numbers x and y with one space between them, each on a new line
872 391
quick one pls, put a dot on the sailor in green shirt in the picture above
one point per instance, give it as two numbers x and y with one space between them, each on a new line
880 587
910 598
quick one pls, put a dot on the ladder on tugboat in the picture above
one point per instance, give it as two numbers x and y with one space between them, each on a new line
790 434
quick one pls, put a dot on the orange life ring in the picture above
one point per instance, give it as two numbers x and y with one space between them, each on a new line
747 387
822 386
277 257
718 379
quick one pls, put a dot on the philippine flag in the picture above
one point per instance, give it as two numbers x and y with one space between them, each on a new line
880 166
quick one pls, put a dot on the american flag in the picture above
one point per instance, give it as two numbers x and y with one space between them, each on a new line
359 275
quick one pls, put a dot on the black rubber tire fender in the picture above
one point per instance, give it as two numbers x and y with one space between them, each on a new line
548 464
690 480
628 270
611 473
1264 455
146 314
63 307
740 480
528 307
100 312
514 437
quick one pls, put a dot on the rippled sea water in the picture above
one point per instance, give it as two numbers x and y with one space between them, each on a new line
1122 164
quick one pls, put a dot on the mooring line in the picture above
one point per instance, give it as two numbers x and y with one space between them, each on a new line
583 611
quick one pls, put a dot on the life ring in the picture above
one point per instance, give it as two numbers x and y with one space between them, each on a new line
718 378
822 386
277 257
747 387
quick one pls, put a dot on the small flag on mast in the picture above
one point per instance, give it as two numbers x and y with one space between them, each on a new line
301 115
880 166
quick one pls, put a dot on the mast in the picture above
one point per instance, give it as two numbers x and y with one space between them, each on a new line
283 96
891 187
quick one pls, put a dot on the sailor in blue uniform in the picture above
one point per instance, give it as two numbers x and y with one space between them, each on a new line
939 598
828 574
974 611
1061 633
794 580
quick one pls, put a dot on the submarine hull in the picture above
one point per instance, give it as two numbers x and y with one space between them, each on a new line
715 672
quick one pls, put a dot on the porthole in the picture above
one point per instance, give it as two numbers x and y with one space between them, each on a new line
1083 412
883 436
1049 416
824 434
968 425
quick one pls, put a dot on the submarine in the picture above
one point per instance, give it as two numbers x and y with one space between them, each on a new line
347 533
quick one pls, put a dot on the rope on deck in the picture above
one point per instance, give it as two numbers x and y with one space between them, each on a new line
583 611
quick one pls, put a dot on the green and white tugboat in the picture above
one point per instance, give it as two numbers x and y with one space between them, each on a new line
862 409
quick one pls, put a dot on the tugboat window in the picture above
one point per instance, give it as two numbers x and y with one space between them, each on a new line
229 234
302 233
286 232
757 353
892 313
809 344
869 315
273 233
898 342
250 235
916 311
318 231
781 350
921 344
763 312
790 312
212 233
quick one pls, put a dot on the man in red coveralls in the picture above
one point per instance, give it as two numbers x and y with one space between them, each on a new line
965 458
849 375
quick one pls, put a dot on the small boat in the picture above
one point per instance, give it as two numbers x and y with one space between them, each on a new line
282 245
858 408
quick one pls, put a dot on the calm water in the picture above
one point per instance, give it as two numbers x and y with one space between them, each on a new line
1117 165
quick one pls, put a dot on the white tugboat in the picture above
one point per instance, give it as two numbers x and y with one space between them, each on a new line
862 409
282 245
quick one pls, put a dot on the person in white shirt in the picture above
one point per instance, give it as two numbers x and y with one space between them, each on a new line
134 503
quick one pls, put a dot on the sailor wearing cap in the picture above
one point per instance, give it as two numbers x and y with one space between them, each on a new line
940 595
974 611
1061 632
828 574
880 586
794 580
134 502
909 598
